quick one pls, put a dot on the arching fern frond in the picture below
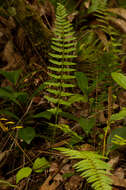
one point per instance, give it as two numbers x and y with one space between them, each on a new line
61 71
92 167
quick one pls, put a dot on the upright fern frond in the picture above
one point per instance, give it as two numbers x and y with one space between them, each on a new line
63 48
92 167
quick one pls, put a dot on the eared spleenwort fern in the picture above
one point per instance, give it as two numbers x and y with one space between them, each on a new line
91 167
61 69
61 73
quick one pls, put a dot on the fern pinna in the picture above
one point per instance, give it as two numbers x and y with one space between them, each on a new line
63 48
92 167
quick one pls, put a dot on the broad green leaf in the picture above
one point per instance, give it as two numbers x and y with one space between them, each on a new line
118 131
119 116
87 124
82 81
8 95
45 114
22 173
40 165
12 76
27 134
120 79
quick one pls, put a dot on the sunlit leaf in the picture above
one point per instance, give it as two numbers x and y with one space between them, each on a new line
40 165
120 79
22 173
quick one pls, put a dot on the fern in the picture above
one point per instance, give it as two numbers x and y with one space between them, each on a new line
119 140
92 167
61 69
100 50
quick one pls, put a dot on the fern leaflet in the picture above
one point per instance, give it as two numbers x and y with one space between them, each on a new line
92 167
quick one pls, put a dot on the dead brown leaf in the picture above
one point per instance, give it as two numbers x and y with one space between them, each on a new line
113 161
119 11
56 182
120 23
103 38
87 4
13 59
73 183
118 181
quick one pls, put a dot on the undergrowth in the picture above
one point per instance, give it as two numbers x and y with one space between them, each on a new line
99 47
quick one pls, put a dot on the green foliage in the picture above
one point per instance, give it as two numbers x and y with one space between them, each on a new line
118 131
66 129
77 98
61 70
11 11
27 134
96 5
40 164
120 79
87 124
118 135
118 116
45 114
92 167
100 52
119 140
12 76
22 173
82 81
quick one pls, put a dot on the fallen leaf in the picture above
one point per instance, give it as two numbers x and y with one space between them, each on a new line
119 11
53 186
118 182
118 22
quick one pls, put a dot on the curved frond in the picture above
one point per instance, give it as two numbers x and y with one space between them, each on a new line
92 167
61 69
